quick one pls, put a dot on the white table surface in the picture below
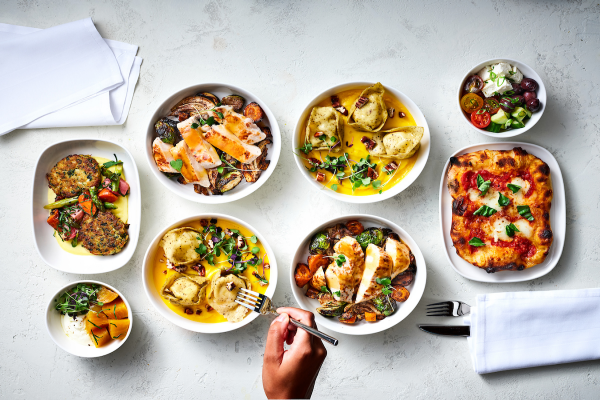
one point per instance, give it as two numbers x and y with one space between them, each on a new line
286 52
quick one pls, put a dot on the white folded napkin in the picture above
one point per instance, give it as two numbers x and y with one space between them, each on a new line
64 76
531 329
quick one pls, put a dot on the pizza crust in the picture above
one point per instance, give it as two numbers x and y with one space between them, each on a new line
526 248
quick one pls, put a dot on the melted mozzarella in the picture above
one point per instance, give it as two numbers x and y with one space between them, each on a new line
490 199
519 197
524 227
498 228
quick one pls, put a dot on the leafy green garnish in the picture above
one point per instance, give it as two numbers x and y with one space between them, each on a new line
337 293
503 200
324 289
386 283
255 250
514 188
339 260
333 139
195 126
78 300
334 187
177 164
483 185
253 239
220 114
307 148
525 212
475 241
511 229
485 211
109 164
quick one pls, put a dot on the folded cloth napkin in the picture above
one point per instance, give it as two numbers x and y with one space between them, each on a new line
64 76
531 329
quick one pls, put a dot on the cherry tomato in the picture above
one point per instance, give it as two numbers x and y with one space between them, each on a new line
470 102
474 84
481 119
491 105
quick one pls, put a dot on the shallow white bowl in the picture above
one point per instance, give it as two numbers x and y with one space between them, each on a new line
362 328
46 244
220 90
423 152
58 335
527 72
161 307
558 219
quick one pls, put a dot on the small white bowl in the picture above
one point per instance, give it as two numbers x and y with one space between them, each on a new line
44 240
161 307
362 328
58 335
527 72
423 152
244 188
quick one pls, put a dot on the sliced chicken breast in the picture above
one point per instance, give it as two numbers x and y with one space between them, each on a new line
241 126
204 152
378 264
221 138
349 247
191 170
162 155
400 256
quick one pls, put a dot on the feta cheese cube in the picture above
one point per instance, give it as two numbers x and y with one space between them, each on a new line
504 86
489 88
484 73
516 75
501 69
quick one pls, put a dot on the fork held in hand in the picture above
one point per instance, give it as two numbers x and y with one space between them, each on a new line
448 309
261 304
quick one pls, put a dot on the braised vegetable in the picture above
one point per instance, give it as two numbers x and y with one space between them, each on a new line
313 293
400 293
99 336
229 181
61 203
234 100
115 309
405 278
338 231
347 318
319 243
210 96
95 199
370 316
385 305
355 227
118 328
106 295
315 261
110 206
332 309
254 112
107 195
167 131
302 275
53 219
371 235
88 207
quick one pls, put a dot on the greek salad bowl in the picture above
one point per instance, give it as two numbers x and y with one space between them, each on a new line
501 97
212 143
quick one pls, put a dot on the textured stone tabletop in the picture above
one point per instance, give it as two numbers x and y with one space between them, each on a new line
286 53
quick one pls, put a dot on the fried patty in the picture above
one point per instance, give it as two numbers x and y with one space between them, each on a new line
74 174
103 234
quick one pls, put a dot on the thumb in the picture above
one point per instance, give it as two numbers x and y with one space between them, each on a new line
275 339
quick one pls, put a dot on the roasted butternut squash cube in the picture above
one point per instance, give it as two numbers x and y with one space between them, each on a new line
97 319
118 328
106 295
99 336
115 309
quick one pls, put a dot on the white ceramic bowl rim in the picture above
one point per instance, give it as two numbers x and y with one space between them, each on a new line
180 321
59 337
398 187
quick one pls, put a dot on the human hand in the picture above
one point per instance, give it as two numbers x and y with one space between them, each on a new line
291 374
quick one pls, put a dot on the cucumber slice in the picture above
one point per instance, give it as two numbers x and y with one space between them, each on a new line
500 117
507 125
494 127
520 113
517 124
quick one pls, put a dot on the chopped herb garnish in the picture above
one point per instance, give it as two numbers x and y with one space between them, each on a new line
324 289
525 212
485 211
475 241
511 229
503 200
177 164
483 185
514 188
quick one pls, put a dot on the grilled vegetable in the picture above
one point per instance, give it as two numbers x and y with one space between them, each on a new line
338 231
254 112
61 203
385 305
110 206
400 293
213 178
267 131
198 102
332 309
316 261
302 275
325 298
347 318
95 199
319 244
355 227
405 278
209 96
200 189
252 170
371 235
167 131
370 317
229 181
313 293
234 100
53 219
107 195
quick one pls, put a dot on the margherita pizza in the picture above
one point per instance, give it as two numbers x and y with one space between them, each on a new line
500 209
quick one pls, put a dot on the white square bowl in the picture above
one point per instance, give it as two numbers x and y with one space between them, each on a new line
558 219
44 240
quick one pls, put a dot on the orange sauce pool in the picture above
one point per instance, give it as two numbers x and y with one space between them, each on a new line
212 317
358 150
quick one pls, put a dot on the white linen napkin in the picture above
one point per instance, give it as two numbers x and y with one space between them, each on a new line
531 329
84 80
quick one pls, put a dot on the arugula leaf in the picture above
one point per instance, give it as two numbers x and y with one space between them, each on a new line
514 188
511 229
503 200
525 212
485 211
210 121
482 185
177 164
475 241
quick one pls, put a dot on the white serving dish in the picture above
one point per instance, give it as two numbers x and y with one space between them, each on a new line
161 307
58 335
362 327
45 242
423 152
558 219
527 72
220 90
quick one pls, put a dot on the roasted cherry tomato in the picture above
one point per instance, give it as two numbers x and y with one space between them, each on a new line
107 195
474 84
491 105
481 119
470 102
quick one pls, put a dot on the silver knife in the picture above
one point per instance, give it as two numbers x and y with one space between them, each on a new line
447 330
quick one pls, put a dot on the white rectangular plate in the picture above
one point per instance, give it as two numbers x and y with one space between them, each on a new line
558 219
45 242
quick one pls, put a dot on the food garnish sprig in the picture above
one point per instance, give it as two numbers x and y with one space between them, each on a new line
78 300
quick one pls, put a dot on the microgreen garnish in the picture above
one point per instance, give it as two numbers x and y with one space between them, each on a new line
525 212
78 300
334 187
337 293
483 185
514 188
511 229
307 148
503 200
340 259
475 241
485 211
253 239
386 283
324 289
195 126
177 164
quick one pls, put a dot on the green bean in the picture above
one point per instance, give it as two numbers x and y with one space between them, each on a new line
61 203
110 206
95 199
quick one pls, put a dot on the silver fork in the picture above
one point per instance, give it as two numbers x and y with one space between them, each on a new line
448 309
261 304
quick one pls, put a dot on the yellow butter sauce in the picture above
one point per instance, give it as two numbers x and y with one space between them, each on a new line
120 212
358 150
161 272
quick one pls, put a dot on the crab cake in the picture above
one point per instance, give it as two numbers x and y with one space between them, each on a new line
103 234
73 174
